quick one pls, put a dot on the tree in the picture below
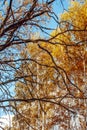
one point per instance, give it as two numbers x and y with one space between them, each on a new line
75 63
50 72
58 69
19 21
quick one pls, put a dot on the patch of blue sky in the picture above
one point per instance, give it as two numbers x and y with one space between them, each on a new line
59 6
3 6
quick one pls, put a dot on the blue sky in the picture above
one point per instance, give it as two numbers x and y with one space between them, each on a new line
58 7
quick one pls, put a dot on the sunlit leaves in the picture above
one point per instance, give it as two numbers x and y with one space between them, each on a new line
53 74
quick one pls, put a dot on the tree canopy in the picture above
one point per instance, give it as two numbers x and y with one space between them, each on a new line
43 69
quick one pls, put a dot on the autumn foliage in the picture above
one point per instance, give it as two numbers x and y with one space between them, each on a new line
51 86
